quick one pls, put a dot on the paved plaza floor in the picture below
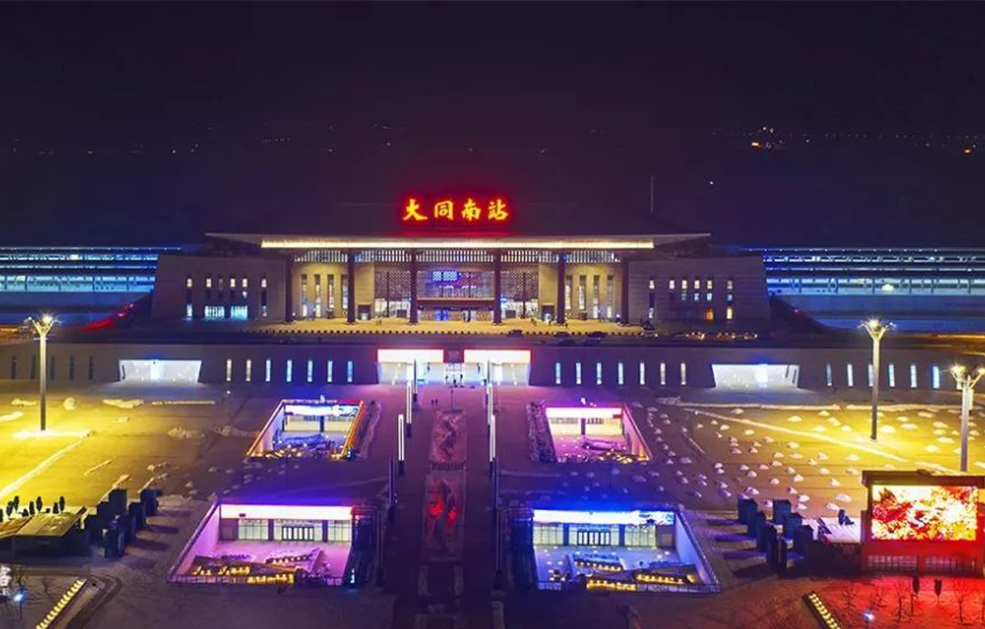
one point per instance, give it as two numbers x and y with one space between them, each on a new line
708 447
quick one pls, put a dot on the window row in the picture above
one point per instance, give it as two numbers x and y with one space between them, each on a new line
641 373
71 368
912 376
308 376
594 295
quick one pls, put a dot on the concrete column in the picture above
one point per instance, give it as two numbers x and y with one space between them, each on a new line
560 316
497 286
413 286
624 292
350 259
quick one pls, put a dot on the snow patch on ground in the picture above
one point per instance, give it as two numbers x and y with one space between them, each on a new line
9 417
127 404
231 431
184 433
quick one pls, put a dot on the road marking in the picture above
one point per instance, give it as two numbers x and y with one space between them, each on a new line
96 467
40 467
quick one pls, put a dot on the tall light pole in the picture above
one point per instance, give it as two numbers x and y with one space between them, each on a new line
876 330
42 328
966 382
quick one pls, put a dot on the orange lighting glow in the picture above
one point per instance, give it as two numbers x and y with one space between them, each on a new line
457 211
412 212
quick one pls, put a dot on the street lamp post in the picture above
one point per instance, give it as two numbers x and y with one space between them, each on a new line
876 330
42 328
966 381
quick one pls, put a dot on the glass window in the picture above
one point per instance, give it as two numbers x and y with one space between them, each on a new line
304 295
913 375
548 534
595 297
598 373
557 373
289 372
850 374
348 371
297 530
582 290
619 374
339 530
642 374
248 371
683 374
892 375
609 297
252 529
215 312
266 370
578 373
828 379
310 373
643 535
663 374
229 370
870 375
935 377
671 284
329 368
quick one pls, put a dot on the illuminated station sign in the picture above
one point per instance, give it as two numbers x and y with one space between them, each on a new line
448 211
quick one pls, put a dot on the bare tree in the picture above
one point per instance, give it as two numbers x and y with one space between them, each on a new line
877 597
46 583
980 597
962 591
901 591
848 596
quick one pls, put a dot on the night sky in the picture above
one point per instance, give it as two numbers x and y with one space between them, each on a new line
152 123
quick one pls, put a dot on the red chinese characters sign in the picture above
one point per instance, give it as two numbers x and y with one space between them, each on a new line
456 211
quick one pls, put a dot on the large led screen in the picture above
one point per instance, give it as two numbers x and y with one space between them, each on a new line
934 513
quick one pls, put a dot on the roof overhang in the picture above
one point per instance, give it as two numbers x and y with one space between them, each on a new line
552 243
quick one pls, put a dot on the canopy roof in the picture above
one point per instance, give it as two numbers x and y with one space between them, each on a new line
461 241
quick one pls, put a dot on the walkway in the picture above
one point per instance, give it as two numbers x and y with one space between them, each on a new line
439 557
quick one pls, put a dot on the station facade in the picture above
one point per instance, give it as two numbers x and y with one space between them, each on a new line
624 279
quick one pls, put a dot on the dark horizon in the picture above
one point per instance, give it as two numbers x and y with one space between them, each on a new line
155 123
